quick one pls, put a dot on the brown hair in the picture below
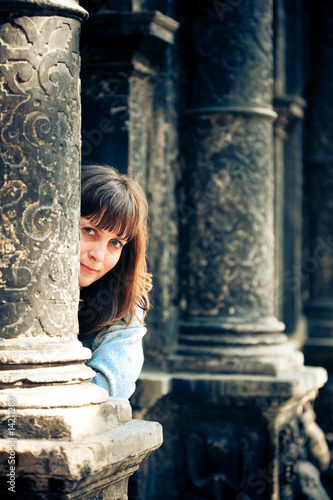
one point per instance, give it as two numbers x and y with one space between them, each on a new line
115 202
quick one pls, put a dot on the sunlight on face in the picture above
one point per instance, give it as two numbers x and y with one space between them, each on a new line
100 251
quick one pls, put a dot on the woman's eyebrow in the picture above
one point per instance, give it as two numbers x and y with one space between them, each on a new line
122 238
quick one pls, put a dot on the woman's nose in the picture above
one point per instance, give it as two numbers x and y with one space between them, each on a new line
97 252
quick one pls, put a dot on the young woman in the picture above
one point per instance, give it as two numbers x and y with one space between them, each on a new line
114 282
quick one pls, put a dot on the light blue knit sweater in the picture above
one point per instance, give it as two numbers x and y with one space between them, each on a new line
117 357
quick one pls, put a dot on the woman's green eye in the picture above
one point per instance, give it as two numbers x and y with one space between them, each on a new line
116 243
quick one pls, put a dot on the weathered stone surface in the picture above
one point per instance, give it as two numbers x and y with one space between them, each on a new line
69 8
39 183
54 396
81 469
134 94
40 196
62 423
214 387
226 193
151 386
231 240
243 433
229 64
64 436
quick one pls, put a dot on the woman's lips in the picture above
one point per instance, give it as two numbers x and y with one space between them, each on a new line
88 269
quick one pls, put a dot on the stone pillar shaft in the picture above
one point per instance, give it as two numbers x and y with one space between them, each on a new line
228 277
40 196
228 147
49 410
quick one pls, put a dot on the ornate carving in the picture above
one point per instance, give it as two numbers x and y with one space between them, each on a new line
39 188
302 448
219 461
231 62
230 210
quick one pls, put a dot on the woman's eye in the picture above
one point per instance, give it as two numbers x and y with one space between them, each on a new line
88 230
116 243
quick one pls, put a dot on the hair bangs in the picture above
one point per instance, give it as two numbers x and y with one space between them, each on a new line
116 203
119 216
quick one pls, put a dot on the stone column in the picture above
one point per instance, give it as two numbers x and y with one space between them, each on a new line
228 275
40 199
58 418
236 405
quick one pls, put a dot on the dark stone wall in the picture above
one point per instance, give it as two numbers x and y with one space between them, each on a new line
129 120
206 453
318 189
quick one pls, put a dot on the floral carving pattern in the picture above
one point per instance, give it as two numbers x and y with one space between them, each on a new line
39 184
231 191
231 63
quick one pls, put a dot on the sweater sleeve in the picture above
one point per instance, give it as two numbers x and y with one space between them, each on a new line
117 358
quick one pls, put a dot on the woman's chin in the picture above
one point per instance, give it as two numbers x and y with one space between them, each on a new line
83 282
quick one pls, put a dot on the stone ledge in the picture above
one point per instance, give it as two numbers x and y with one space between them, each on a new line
141 23
70 8
295 384
62 423
70 470
54 395
272 360
283 387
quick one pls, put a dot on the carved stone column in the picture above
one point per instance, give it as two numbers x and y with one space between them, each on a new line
59 419
228 275
236 405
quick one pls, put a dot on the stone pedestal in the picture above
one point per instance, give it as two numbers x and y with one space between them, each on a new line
233 436
58 431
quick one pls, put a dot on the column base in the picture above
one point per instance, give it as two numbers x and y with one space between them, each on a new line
233 435
257 359
62 423
295 385
98 466
234 345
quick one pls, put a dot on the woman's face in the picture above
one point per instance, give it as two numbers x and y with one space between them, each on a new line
100 250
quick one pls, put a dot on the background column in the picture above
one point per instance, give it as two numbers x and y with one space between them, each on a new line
228 293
